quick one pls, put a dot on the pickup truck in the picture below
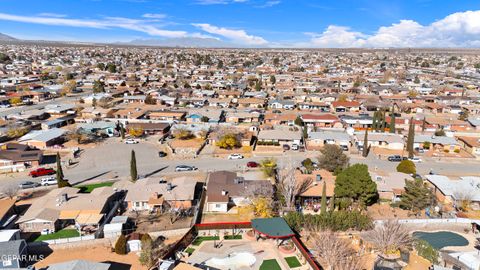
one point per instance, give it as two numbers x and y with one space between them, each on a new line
41 172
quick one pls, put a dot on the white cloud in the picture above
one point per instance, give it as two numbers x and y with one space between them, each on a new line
154 16
105 23
239 36
461 29
218 2
55 15
270 4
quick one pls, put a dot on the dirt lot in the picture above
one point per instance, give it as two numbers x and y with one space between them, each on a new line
96 254
385 211
157 222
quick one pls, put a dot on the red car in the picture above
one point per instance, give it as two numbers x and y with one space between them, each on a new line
252 164
41 172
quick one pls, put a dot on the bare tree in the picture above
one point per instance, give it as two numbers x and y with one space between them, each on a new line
390 236
10 190
334 253
463 198
289 185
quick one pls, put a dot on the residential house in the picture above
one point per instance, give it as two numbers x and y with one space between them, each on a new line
251 103
437 142
386 140
80 265
150 128
227 189
8 213
345 106
281 104
310 199
43 138
13 254
242 117
318 139
67 206
155 193
14 156
321 121
390 185
209 116
166 115
470 144
452 191
280 118
279 137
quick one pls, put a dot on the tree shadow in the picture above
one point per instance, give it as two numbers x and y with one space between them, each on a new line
91 178
118 266
155 172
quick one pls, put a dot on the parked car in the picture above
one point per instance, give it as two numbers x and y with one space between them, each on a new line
396 158
415 159
235 156
286 147
41 172
185 168
49 181
344 147
28 184
295 146
252 164
131 141
162 154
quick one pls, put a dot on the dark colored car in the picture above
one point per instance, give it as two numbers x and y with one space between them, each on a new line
252 164
41 172
286 147
162 154
396 158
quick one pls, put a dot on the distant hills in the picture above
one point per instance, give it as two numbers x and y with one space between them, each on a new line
4 37
185 42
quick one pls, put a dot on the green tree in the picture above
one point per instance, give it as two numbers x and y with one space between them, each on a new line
406 166
392 121
122 132
365 144
298 121
220 64
332 158
308 164
101 66
258 86
273 80
204 119
121 245
146 255
111 67
417 195
133 167
98 87
411 138
355 184
424 124
323 202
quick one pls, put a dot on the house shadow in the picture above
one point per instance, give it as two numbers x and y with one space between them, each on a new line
118 266
49 159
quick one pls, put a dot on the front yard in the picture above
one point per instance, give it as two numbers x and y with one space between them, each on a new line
65 233
90 187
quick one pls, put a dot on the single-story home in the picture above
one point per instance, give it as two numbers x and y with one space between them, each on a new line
13 254
320 138
279 136
450 191
43 138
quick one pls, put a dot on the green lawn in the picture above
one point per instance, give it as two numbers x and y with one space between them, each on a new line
200 239
293 262
91 187
233 237
65 233
270 265
189 250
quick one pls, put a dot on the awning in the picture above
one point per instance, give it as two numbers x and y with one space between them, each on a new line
89 219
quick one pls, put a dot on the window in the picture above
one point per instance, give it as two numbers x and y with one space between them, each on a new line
218 205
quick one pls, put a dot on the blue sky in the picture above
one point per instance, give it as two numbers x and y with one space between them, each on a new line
257 23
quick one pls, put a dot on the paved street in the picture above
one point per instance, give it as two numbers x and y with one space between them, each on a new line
112 160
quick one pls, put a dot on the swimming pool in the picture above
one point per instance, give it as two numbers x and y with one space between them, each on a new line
442 239
233 261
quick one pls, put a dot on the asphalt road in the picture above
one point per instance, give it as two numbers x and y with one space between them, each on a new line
112 160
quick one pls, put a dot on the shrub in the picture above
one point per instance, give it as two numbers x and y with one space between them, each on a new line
456 151
336 221
229 141
121 245
426 250
407 166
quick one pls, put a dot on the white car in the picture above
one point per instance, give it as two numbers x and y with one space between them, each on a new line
48 181
131 141
415 159
235 156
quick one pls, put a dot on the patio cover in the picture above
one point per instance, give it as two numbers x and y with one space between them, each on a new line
275 227
89 219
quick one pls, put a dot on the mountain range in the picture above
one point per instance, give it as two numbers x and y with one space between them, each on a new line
185 42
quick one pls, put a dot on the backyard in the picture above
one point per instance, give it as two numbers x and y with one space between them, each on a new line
90 187
65 233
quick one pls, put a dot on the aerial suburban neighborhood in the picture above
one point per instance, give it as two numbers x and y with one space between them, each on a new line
135 157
